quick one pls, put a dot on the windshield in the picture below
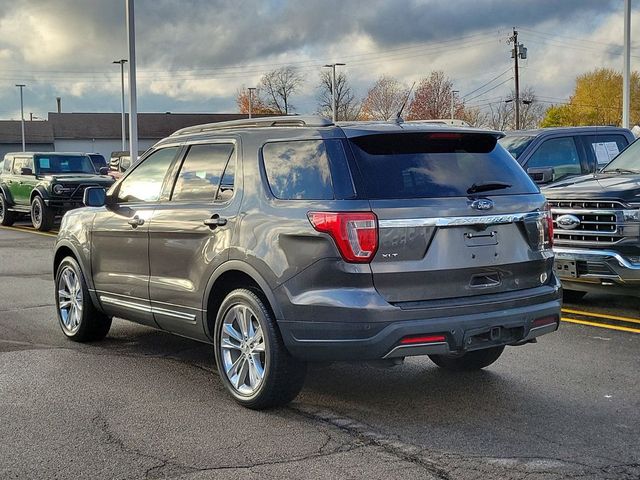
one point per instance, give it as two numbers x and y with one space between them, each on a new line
628 160
516 145
430 165
48 164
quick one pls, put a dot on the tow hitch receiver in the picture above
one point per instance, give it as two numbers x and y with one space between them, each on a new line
499 335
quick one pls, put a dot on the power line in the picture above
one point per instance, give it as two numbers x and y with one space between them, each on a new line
489 82
492 88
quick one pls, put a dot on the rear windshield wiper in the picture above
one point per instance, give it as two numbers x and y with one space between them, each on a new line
621 171
486 186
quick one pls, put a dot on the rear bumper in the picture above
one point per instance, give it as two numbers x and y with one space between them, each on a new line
507 321
597 270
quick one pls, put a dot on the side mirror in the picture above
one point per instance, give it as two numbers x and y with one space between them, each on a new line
26 171
541 175
94 197
103 171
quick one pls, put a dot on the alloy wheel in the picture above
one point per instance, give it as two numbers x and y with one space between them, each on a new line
70 301
242 349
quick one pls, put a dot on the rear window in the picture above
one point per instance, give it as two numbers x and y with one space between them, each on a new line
307 170
430 165
515 145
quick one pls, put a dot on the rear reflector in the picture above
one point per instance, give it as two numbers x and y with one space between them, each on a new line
414 339
354 233
541 322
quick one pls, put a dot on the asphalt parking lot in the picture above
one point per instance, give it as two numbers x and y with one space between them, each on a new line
146 404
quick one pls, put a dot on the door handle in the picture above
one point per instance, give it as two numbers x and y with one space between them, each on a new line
136 221
215 221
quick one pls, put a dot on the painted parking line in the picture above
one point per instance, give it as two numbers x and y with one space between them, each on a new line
600 315
30 230
600 325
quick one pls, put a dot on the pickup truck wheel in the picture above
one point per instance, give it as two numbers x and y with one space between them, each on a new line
41 216
79 319
7 217
572 295
468 361
253 363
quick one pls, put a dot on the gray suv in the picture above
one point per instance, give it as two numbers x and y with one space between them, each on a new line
287 240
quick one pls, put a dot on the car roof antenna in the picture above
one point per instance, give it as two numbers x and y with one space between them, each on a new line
399 115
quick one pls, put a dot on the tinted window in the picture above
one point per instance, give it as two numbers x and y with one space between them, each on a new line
98 161
428 165
201 171
606 147
302 170
47 164
20 163
560 154
144 184
516 145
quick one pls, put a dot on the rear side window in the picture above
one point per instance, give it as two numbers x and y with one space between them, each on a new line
8 163
20 163
307 170
606 147
201 172
441 164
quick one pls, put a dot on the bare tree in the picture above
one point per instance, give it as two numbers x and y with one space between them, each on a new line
278 87
474 116
500 116
347 106
531 111
384 99
432 99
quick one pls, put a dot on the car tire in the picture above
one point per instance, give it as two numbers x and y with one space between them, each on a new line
7 217
572 295
78 318
42 217
254 367
468 361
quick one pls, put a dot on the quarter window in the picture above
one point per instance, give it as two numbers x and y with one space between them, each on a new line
144 184
560 154
302 170
201 173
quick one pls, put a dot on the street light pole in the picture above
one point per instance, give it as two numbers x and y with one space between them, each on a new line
251 89
626 72
334 108
453 98
124 122
133 101
21 86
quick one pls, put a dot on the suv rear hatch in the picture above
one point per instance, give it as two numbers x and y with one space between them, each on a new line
457 216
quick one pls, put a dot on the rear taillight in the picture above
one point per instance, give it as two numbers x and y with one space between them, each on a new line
545 229
355 233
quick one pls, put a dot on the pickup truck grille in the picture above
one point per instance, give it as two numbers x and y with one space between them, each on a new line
601 222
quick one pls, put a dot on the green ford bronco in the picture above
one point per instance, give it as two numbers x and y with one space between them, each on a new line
44 185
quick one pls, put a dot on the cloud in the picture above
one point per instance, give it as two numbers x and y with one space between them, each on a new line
195 54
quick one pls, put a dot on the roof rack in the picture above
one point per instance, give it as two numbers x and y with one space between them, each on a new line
284 121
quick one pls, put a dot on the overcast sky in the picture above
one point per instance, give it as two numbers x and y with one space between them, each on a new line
194 55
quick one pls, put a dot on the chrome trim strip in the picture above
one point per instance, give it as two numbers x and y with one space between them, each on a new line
418 349
599 254
541 330
171 313
147 309
458 221
122 303
143 300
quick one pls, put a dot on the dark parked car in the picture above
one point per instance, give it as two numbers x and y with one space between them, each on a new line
551 154
291 239
44 185
597 228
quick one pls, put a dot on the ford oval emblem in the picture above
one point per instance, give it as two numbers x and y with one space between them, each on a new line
568 222
482 204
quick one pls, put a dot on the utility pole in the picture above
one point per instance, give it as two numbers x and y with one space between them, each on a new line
133 101
518 51
124 121
626 72
251 90
453 108
334 108
21 86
